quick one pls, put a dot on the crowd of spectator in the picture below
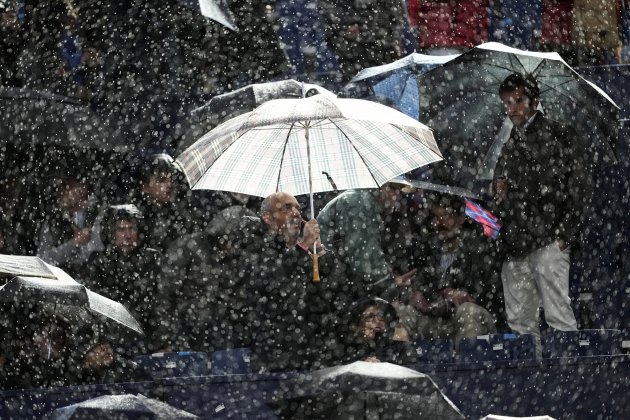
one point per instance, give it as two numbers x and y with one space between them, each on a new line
214 270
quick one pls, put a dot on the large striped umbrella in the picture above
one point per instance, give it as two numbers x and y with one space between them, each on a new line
308 145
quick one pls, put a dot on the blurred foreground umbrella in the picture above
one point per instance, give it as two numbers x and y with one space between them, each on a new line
466 112
217 10
395 82
307 146
229 105
67 297
32 117
21 265
120 407
363 390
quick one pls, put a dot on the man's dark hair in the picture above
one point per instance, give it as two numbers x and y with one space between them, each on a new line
116 213
157 164
517 80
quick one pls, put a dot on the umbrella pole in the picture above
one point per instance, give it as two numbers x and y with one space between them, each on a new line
310 188
50 333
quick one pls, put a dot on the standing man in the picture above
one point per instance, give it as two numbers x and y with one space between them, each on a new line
542 185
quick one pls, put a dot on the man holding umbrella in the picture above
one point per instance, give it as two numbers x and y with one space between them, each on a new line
291 312
542 185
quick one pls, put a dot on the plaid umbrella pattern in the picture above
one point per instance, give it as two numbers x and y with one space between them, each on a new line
308 145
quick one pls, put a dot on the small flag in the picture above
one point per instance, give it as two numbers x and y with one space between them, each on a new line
491 225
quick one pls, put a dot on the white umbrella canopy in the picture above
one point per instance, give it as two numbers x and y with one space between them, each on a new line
309 145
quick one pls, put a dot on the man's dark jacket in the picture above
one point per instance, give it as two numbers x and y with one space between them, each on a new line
293 324
549 173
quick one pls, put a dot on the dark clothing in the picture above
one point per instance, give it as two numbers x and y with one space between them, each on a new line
207 300
474 268
161 224
293 321
549 175
132 279
377 38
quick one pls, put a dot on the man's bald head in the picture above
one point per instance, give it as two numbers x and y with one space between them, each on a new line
281 213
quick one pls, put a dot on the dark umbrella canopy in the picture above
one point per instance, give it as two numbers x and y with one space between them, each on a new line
223 107
467 114
120 407
67 293
32 117
363 390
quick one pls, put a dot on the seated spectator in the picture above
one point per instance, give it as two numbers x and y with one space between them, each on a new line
292 315
164 218
354 223
36 351
126 270
70 233
458 280
99 362
373 334
206 306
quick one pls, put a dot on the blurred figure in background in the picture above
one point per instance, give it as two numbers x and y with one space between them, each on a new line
71 231
126 271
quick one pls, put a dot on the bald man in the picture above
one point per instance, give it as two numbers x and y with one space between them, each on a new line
290 312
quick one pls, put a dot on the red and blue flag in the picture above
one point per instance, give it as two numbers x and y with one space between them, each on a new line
489 221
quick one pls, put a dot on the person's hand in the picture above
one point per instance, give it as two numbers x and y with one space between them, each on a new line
310 235
404 280
457 296
81 236
419 302
372 359
99 356
501 188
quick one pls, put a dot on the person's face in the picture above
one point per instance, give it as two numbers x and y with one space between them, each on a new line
518 106
372 323
446 222
285 217
126 235
160 188
73 195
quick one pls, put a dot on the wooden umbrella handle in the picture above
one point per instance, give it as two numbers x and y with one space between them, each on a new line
315 268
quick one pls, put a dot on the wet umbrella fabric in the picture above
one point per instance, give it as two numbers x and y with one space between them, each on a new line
309 145
119 407
395 82
32 117
229 105
216 10
69 294
466 112
363 390
22 265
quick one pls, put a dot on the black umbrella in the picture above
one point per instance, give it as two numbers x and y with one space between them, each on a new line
31 117
229 105
119 407
67 297
363 390
466 113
